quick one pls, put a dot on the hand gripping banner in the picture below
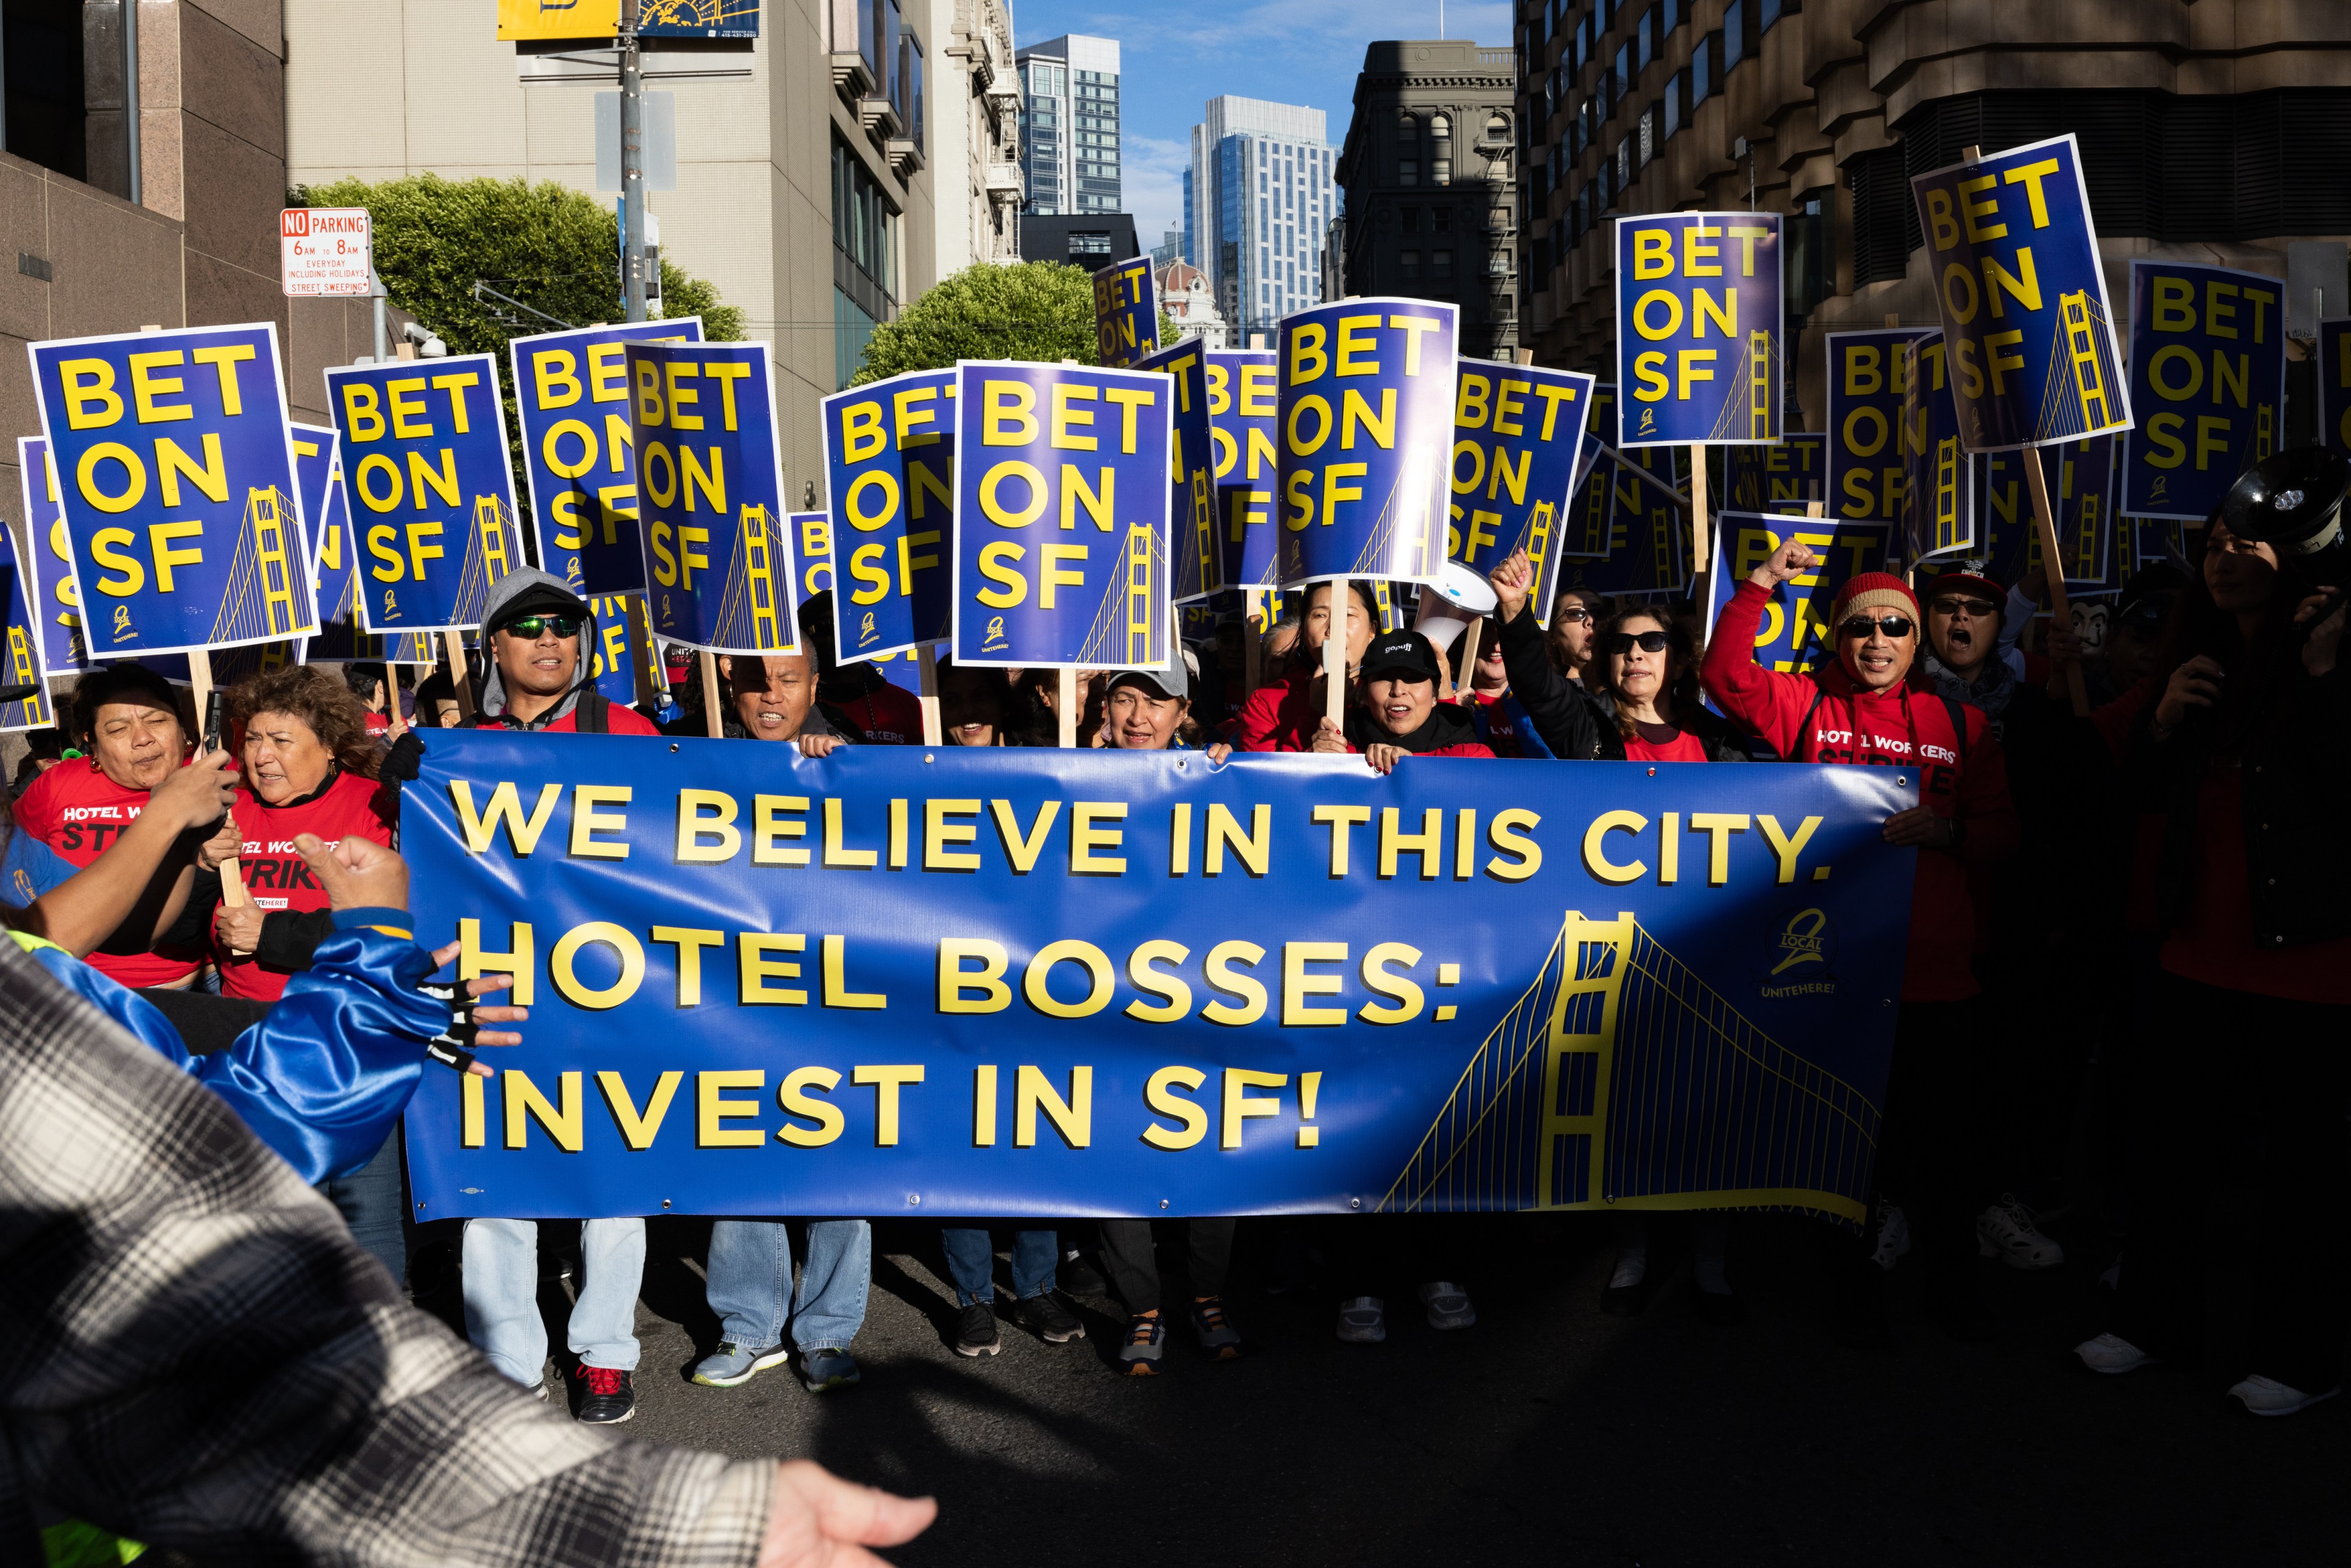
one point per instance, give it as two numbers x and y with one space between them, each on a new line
910 980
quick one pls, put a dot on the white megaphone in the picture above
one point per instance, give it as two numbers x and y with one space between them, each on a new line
1461 597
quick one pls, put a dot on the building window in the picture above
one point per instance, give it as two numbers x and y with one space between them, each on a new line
1411 219
1408 265
1671 17
1624 83
1647 142
1440 266
1702 59
1089 242
1440 218
1734 34
1498 128
1674 85
865 261
1407 170
1766 13
1645 39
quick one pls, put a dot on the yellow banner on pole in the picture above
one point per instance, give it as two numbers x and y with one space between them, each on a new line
543 19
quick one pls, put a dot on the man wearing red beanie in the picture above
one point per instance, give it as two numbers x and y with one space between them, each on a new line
1865 708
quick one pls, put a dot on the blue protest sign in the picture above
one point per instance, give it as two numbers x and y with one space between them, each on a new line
1198 570
2031 338
176 477
59 604
1126 313
2080 476
622 665
1868 379
20 659
710 496
888 453
1797 632
1792 473
2335 383
1366 409
571 398
1700 364
1061 484
1245 424
1591 505
1939 513
343 636
814 532
1040 994
428 486
1517 439
1648 537
2207 381
1603 412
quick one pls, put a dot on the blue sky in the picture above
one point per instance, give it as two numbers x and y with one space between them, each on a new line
1173 59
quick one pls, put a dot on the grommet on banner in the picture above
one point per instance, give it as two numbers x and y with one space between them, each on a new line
664 1203
1354 1203
1163 1203
914 1200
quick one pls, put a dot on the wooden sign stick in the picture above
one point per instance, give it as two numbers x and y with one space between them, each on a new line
2045 521
713 723
1334 651
1252 643
453 644
926 665
1066 706
1467 682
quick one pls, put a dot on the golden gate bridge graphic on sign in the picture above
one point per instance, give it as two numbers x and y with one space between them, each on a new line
750 612
268 593
1125 632
489 555
1747 416
2082 372
1621 1079
32 711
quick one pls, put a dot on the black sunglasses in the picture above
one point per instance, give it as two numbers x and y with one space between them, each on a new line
1574 612
1623 642
1951 604
529 627
1892 625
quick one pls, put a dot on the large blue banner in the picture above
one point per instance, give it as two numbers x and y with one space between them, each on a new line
429 487
176 476
571 397
1062 488
1019 982
889 455
710 483
2080 475
1518 443
1244 419
1702 362
2023 297
1939 511
1792 473
1797 632
1198 568
2208 378
1869 375
1366 427
1126 313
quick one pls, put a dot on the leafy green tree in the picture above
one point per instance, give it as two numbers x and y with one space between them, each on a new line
1042 311
548 246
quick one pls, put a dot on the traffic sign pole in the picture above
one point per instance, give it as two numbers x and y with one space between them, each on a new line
633 169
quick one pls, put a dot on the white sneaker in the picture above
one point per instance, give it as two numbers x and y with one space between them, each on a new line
1363 1321
2112 1354
2268 1396
1892 1235
1449 1305
2006 1231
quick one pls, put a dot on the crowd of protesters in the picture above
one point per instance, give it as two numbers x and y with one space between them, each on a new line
2198 944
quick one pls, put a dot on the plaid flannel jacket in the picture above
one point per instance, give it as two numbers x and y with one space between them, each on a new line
195 1355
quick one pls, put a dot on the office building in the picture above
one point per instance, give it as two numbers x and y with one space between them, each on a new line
977 135
1428 176
1069 135
2211 130
1093 242
1258 201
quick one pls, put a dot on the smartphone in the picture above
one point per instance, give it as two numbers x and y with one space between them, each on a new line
212 705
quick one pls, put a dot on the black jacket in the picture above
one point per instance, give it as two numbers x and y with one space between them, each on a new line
1574 723
2297 836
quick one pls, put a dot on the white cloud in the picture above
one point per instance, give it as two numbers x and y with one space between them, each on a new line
1151 172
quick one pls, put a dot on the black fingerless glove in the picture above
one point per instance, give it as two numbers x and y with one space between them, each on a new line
400 762
450 1047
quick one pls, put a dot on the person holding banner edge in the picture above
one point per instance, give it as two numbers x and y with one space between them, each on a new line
1285 717
1866 709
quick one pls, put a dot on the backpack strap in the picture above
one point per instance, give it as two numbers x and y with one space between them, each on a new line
1958 715
592 715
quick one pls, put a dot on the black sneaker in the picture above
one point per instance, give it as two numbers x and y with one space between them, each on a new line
1081 1278
976 1330
610 1399
1043 1315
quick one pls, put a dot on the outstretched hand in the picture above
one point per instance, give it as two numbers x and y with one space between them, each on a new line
1512 581
1791 559
818 1520
356 873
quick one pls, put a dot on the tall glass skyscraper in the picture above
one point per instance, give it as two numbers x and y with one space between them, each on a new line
1258 203
1069 141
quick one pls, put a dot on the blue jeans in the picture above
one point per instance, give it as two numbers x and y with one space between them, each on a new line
370 1202
971 1261
501 1264
751 1281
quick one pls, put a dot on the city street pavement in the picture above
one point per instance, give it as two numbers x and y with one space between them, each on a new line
1546 1434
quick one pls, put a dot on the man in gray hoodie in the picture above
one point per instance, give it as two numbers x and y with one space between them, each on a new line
534 629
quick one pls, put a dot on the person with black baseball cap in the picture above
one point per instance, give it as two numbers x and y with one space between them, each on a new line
536 630
1396 714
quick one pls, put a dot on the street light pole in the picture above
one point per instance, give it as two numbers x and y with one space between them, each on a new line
633 169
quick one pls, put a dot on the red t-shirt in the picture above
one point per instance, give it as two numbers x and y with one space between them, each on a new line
276 875
2216 946
377 723
618 720
886 716
1683 748
79 812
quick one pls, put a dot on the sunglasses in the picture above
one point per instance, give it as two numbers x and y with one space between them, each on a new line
530 627
1576 613
1897 626
1978 608
1623 642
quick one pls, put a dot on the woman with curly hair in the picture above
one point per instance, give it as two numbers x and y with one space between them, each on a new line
309 767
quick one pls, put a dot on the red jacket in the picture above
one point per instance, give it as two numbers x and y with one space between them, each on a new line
618 720
1282 717
1823 717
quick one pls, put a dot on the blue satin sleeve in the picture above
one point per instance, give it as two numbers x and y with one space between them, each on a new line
322 1079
